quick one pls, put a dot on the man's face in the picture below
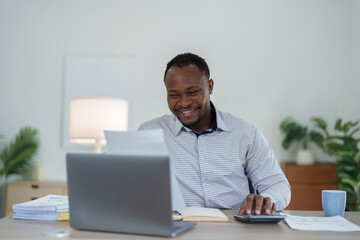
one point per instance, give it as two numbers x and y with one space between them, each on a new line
188 96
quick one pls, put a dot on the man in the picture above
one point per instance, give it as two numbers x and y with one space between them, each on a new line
214 153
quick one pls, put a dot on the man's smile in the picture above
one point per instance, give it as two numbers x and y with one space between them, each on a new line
187 113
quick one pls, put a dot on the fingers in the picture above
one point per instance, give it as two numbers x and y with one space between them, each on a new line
257 204
259 201
242 209
247 206
252 204
267 206
273 211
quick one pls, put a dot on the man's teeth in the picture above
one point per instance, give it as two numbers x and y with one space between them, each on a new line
189 111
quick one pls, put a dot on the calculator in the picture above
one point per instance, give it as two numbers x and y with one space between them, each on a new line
260 218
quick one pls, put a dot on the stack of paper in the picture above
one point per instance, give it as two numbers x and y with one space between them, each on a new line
50 207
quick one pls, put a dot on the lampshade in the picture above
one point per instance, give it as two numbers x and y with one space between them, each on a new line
89 117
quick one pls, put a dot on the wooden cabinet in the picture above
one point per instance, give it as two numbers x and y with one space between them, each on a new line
23 191
307 182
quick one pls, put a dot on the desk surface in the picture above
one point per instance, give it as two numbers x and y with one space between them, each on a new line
25 229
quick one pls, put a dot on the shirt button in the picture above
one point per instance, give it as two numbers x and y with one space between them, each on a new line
209 201
206 180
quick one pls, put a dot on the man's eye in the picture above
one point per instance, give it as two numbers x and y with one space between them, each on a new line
173 96
194 93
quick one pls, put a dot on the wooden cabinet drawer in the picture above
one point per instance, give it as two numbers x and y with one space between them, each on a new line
307 197
306 184
23 191
315 174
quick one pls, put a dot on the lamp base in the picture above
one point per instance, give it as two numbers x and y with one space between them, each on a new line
97 146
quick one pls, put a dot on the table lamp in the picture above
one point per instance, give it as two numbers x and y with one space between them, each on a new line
89 117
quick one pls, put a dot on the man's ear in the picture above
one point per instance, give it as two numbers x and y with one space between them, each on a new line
210 85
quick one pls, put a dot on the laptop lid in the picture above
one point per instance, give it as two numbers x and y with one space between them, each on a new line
120 193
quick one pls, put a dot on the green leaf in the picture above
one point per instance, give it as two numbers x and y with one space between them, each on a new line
285 144
345 167
345 154
287 124
317 138
18 155
333 147
354 131
350 144
292 130
349 190
320 123
343 175
334 137
347 126
338 124
357 157
350 168
351 182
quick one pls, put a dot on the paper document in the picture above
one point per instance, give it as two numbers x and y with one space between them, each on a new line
336 224
49 207
145 143
47 203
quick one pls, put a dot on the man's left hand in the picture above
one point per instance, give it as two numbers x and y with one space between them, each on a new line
257 204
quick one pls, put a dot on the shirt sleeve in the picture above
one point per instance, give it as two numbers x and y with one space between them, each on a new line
263 169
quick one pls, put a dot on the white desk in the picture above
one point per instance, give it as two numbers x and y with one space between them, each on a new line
25 229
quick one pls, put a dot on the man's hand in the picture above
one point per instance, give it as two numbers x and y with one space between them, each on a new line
257 204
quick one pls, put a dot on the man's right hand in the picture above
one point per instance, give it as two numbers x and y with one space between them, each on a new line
257 204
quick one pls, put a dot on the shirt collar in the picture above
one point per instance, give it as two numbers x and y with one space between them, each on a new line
221 125
218 125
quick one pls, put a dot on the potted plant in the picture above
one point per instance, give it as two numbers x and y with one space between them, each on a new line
344 145
295 132
17 157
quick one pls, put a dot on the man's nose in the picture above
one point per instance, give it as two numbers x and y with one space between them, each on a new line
184 101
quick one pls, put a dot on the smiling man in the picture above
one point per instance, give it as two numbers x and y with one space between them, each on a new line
214 153
188 96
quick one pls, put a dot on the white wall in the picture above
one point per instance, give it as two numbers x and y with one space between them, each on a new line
269 59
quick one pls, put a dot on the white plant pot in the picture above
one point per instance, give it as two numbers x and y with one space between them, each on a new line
305 157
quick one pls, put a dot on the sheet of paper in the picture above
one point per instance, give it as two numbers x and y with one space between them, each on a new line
145 143
337 224
49 202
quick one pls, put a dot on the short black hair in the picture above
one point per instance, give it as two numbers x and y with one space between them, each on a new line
186 59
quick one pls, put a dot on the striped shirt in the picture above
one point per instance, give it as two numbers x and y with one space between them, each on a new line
212 168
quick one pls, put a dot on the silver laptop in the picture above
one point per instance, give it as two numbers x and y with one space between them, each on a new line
119 193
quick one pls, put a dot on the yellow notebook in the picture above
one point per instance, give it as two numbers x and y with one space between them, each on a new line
198 214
